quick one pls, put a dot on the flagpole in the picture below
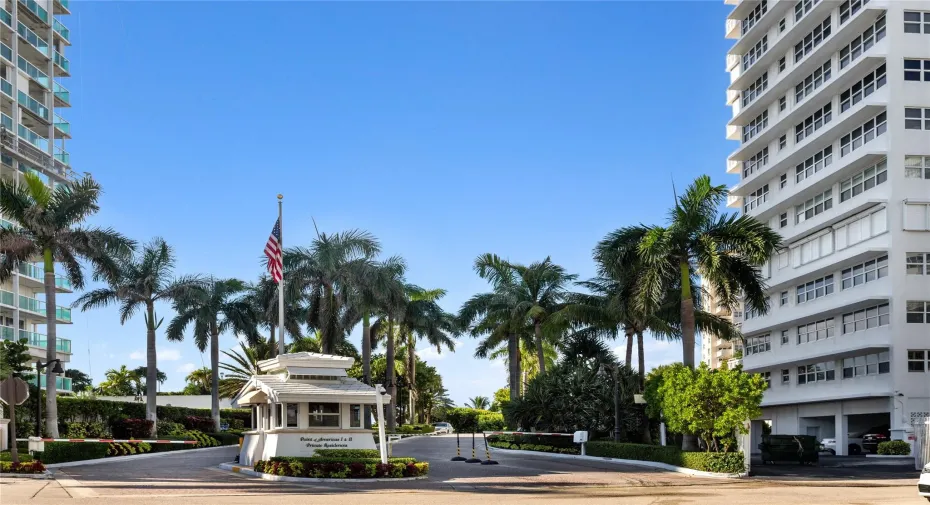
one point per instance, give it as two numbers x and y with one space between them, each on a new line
281 284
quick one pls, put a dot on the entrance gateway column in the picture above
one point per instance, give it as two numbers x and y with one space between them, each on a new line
841 433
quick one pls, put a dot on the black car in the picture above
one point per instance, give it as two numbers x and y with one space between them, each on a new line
874 436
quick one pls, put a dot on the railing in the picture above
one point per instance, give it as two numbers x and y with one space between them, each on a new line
33 138
32 38
62 124
34 339
6 17
62 62
62 155
36 9
31 70
34 305
62 93
6 51
733 24
6 121
33 105
733 61
62 282
7 87
36 272
64 3
61 383
62 30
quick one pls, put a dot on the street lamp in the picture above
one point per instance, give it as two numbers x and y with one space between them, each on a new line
57 370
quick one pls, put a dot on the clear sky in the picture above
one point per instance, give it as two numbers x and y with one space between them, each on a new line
445 129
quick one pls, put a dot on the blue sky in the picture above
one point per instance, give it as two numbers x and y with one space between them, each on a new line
446 129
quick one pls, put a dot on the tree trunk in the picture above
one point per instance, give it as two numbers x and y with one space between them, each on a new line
641 360
215 377
689 442
540 353
326 339
51 394
412 374
629 349
272 352
389 376
366 364
513 351
151 367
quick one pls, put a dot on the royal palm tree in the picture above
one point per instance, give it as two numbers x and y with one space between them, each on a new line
478 402
263 296
120 382
213 309
141 281
50 227
313 343
727 250
143 372
327 272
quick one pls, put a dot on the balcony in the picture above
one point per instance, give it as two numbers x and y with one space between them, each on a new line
6 17
34 276
31 70
6 87
62 7
62 63
732 30
62 30
62 156
36 10
62 314
40 142
34 339
33 105
63 126
62 95
61 383
33 39
839 346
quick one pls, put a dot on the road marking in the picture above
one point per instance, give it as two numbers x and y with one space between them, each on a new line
73 487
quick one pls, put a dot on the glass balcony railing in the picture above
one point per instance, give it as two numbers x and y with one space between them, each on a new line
33 138
62 62
62 282
31 70
62 30
33 105
62 124
32 38
7 87
36 9
34 339
62 155
6 17
6 51
61 383
31 270
64 3
8 224
62 93
35 306
6 121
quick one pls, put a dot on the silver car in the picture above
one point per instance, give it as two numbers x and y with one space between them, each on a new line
443 428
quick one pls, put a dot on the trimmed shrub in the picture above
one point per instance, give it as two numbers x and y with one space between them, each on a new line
168 428
551 441
24 457
198 423
64 452
491 421
225 438
132 428
463 420
22 467
334 468
722 462
894 448
347 453
415 429
94 429
344 461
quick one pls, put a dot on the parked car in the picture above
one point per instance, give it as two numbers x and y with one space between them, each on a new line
443 428
874 436
923 485
854 449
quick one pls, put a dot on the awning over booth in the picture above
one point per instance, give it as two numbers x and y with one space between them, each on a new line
278 389
254 396
306 370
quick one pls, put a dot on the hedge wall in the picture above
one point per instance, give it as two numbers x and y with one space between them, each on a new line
723 462
84 409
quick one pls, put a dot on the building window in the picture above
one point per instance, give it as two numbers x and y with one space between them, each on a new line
866 319
279 410
803 7
912 21
755 52
862 42
817 288
782 103
783 181
912 118
355 416
324 414
916 216
861 228
782 141
785 376
783 220
869 364
291 415
813 207
767 377
754 16
917 361
812 165
810 83
864 181
758 160
812 40
848 8
756 126
818 372
783 298
760 344
781 25
863 134
865 272
756 198
918 263
917 70
818 330
781 65
918 312
784 337
917 167
755 89
814 122
865 87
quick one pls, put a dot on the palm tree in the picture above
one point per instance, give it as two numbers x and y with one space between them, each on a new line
313 343
202 378
263 296
141 282
328 271
215 308
478 402
243 366
120 382
143 372
50 227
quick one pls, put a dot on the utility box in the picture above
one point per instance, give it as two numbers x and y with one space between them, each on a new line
581 437
36 445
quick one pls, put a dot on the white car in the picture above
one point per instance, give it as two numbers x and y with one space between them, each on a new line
923 485
443 428
854 448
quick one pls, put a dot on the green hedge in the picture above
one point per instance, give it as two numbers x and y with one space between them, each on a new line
64 452
722 462
490 421
347 453
22 467
73 409
315 459
412 429
353 469
527 439
225 438
533 447
23 456
894 448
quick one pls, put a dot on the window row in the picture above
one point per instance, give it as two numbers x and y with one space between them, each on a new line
917 118
755 90
918 361
917 167
812 165
319 415
817 288
812 40
864 181
916 216
756 198
755 52
760 344
864 272
866 319
917 70
869 364
754 16
812 332
864 133
918 263
810 83
918 312
865 87
756 126
803 7
813 123
868 38
814 206
756 162
916 22
853 231
850 7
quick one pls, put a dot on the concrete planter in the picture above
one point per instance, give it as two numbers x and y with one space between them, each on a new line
38 476
132 457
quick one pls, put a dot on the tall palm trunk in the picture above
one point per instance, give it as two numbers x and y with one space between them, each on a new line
641 357
513 351
151 367
689 442
366 363
273 350
326 337
412 374
389 375
540 354
51 404
215 376
629 348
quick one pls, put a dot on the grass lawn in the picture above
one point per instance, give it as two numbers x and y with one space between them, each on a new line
24 457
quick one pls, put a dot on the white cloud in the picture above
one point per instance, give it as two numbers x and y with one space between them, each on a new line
169 355
429 353
111 355
136 356
186 368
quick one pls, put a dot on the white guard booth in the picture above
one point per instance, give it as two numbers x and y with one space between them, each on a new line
302 402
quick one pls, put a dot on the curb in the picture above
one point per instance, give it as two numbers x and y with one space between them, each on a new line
281 478
132 457
37 476
631 462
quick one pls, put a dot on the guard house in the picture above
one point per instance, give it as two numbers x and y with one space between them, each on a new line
305 401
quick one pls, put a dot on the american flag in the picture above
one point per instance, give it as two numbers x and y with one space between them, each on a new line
273 252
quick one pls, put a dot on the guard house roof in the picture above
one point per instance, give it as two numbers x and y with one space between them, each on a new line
305 360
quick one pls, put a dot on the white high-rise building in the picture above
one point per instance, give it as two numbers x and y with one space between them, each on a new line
831 107
717 351
32 137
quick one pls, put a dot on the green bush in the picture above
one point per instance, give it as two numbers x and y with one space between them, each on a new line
723 462
415 429
552 441
22 467
72 409
94 429
64 452
894 448
24 457
168 428
348 453
342 469
225 438
463 420
491 421
344 461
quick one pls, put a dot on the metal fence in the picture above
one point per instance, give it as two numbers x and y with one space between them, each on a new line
921 443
